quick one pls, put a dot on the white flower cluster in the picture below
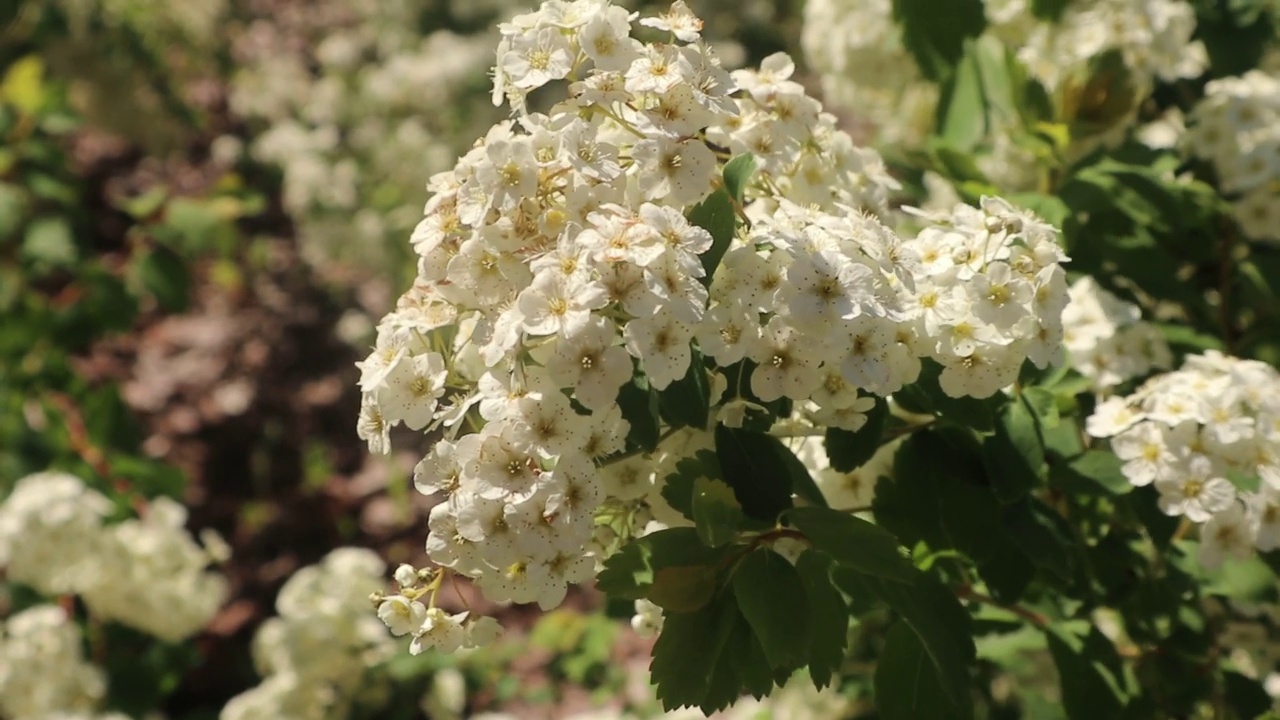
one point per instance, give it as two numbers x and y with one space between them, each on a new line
1106 338
147 573
1192 432
556 262
1236 127
43 672
360 108
315 652
1153 36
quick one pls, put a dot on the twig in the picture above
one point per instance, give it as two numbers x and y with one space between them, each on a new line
966 592
92 455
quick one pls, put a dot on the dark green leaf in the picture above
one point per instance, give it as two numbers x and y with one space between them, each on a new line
164 274
755 465
853 542
1093 471
630 572
639 404
685 657
748 660
737 173
933 614
686 402
1013 455
766 586
715 215
1089 689
939 495
677 489
1246 696
908 685
683 588
849 451
828 615
1043 535
935 34
716 513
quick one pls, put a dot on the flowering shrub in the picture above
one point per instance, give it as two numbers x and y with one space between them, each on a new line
670 333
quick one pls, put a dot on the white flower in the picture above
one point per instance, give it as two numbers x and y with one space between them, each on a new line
1226 534
401 615
662 344
439 631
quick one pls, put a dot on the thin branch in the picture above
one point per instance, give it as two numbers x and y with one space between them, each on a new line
966 592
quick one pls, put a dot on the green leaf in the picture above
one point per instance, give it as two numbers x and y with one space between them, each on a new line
1093 472
747 658
939 495
1043 535
737 173
715 215
962 110
755 465
1246 696
683 588
849 451
1089 689
686 402
853 542
1044 405
907 684
943 629
687 653
766 585
639 404
716 512
935 34
828 615
164 274
48 241
632 571
1013 455
677 489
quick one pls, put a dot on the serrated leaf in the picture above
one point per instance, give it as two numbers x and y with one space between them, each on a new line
686 655
853 542
1014 455
715 215
765 585
1043 536
1089 689
1093 471
748 660
677 488
755 466
848 451
630 572
683 588
907 684
716 512
686 402
737 173
942 627
938 495
829 617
